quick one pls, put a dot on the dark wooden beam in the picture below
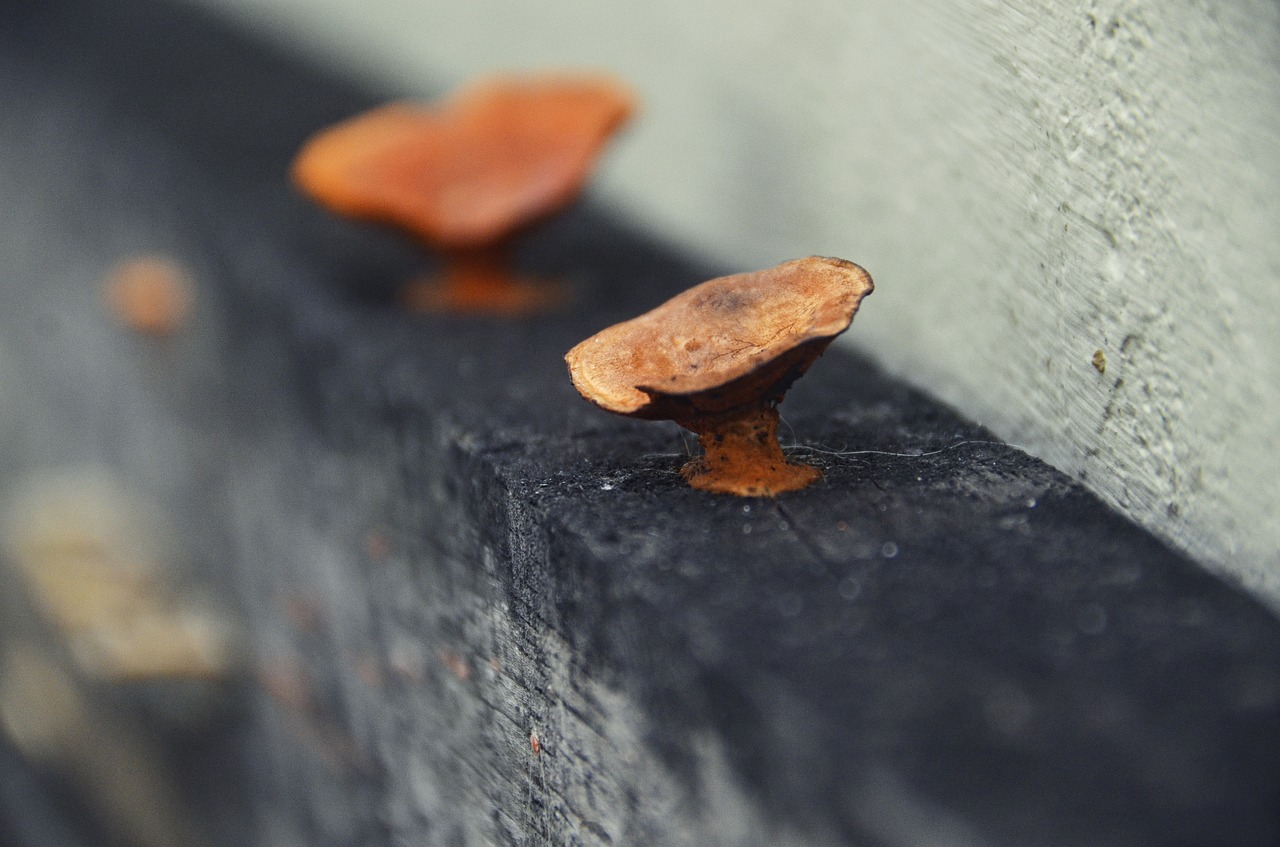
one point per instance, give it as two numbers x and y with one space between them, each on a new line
510 620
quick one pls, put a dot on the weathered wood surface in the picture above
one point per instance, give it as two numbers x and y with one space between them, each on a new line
1040 180
945 642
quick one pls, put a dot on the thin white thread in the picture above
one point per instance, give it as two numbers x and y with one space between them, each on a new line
840 454
843 453
789 427
793 448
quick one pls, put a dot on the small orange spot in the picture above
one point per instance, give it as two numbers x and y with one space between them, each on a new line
534 744
377 545
288 683
407 663
301 611
455 664
150 294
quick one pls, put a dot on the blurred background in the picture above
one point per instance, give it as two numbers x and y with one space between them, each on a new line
1071 209
216 602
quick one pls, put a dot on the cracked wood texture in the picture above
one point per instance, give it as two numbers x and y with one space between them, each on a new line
484 612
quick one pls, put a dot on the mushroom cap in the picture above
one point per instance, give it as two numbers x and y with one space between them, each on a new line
496 156
731 342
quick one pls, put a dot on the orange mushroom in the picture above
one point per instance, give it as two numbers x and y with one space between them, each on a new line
151 294
468 175
718 358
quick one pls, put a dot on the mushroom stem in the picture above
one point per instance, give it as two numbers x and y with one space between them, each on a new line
741 455
479 279
477 276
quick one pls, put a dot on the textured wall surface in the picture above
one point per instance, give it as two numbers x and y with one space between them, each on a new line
1028 182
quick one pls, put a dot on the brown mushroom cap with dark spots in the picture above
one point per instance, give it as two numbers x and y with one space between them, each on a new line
724 343
496 157
718 358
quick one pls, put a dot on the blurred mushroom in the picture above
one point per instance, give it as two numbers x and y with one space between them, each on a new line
468 175
151 294
718 358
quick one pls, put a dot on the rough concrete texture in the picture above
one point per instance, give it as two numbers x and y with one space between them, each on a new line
482 611
1031 182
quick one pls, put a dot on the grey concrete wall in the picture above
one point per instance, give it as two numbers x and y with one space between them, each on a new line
1028 182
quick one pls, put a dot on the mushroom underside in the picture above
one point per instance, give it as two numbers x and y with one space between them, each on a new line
766 384
737 428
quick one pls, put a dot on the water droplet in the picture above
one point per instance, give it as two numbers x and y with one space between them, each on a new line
850 587
889 550
746 529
